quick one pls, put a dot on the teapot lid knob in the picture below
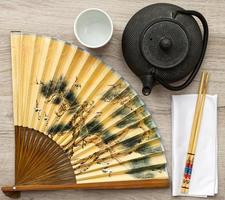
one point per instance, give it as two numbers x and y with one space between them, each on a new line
165 43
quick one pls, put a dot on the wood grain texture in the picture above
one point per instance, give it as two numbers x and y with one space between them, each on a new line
55 18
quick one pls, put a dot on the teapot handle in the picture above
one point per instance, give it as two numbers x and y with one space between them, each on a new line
197 67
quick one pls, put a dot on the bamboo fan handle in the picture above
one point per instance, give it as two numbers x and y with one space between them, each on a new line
14 191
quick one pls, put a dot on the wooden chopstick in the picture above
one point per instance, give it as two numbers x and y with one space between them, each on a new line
200 114
195 132
190 154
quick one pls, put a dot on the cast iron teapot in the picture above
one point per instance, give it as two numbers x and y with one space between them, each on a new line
163 43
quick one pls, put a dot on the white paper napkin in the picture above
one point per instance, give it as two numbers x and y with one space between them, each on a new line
204 180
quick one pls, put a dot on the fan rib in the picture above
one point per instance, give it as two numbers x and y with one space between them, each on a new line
49 164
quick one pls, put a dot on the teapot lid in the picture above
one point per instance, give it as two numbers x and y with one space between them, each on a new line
164 43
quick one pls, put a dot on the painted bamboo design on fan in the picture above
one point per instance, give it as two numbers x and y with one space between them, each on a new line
84 107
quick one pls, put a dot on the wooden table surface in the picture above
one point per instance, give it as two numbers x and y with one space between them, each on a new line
55 18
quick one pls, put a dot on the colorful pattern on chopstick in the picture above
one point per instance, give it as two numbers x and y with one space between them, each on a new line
188 171
87 109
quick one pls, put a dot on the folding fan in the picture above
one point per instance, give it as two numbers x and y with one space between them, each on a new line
78 124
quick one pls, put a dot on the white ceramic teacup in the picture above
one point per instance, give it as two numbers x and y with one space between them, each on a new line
93 28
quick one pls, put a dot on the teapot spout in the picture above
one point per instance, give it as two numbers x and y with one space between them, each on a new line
147 82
